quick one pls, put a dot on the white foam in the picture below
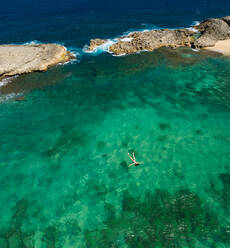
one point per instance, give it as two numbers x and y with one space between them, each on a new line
193 29
194 24
76 52
126 39
102 48
3 82
85 49
7 80
36 42
105 47
120 55
147 28
33 42
8 97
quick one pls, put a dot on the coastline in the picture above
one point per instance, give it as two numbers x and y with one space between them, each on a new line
212 34
201 35
222 47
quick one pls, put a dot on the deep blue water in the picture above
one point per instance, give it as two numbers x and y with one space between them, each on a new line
75 22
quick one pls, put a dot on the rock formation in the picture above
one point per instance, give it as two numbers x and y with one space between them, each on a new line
226 19
20 59
151 40
212 30
94 43
206 34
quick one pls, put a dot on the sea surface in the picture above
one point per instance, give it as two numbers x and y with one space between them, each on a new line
65 134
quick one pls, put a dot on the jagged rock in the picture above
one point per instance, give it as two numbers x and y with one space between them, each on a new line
226 19
20 59
151 40
208 33
94 43
212 30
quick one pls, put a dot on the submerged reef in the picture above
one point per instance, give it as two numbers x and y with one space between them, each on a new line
160 219
206 34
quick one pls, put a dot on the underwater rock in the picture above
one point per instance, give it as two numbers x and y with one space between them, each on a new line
101 145
15 241
101 189
164 126
225 178
159 220
20 98
20 59
20 209
50 236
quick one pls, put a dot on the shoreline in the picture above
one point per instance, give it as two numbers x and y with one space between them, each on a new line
201 35
22 59
212 34
221 47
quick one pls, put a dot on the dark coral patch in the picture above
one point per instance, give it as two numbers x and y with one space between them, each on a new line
226 191
160 220
164 126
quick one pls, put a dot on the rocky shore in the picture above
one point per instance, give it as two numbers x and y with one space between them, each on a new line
20 59
206 34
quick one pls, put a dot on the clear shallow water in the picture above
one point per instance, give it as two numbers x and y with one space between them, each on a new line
64 176
64 173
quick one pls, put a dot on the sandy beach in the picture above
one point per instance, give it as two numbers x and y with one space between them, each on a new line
222 46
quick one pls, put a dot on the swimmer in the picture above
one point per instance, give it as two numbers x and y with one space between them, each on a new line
134 160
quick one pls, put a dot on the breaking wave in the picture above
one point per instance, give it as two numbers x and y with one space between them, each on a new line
7 80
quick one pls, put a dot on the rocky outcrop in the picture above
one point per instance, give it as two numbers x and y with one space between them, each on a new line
151 40
20 59
226 19
94 43
212 30
206 34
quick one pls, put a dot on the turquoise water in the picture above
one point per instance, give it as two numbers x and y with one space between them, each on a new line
64 175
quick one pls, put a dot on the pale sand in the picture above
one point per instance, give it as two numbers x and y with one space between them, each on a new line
222 46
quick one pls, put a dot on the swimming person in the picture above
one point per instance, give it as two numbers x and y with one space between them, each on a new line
134 160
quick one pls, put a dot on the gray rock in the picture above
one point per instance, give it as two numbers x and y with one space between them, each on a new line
151 40
211 31
226 19
19 59
208 33
94 43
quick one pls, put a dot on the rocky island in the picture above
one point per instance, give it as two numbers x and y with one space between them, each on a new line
204 35
20 59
